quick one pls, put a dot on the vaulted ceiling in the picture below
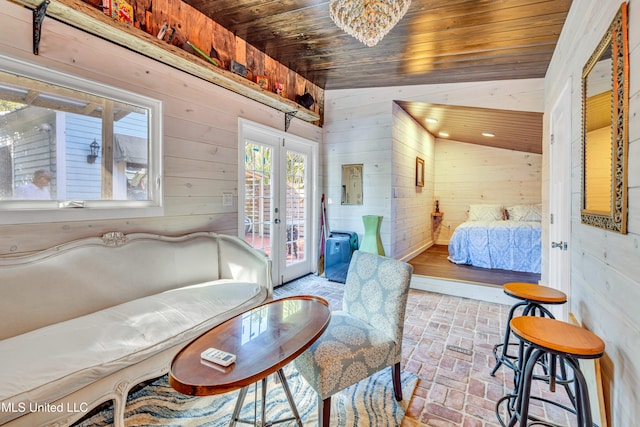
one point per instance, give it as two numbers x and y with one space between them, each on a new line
437 41
511 130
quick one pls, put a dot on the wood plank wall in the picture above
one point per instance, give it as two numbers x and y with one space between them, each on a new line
475 174
411 205
200 124
193 26
365 144
605 267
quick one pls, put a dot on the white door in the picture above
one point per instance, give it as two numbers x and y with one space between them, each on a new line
276 191
560 198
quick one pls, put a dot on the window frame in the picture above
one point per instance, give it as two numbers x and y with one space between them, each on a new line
31 211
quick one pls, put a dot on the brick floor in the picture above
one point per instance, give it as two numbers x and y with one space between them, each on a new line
448 343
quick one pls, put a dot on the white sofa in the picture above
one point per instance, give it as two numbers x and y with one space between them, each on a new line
83 322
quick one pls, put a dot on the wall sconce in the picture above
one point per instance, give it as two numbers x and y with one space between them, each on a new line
94 147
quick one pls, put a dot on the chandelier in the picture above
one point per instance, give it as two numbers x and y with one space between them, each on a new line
367 20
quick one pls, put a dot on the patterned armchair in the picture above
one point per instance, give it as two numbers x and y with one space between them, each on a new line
366 336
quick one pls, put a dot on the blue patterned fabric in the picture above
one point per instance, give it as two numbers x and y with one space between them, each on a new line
506 245
367 336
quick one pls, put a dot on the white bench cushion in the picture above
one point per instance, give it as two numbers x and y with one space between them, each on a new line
53 361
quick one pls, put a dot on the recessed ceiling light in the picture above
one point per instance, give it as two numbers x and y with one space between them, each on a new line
488 134
443 134
431 120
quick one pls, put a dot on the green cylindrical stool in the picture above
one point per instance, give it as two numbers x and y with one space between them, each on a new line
371 242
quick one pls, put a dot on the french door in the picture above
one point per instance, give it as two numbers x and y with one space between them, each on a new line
276 198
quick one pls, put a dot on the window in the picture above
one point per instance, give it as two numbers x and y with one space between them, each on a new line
73 149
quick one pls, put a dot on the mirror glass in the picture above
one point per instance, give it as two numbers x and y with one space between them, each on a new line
598 134
351 184
604 130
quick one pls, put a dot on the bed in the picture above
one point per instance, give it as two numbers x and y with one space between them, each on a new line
488 240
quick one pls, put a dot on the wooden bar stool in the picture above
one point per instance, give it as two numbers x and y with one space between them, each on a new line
545 336
532 297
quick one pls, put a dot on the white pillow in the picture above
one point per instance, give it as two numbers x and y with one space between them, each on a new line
485 212
531 213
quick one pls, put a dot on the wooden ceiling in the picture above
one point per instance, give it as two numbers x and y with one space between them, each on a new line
511 130
437 41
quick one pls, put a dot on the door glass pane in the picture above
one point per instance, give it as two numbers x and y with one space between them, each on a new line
258 196
295 207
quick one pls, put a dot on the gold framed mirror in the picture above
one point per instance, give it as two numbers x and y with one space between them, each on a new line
605 100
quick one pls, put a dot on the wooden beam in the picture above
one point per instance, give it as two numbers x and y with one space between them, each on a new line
84 17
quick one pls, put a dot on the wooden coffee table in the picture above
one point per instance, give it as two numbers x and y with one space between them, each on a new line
264 339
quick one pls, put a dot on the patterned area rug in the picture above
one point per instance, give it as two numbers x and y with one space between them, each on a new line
368 403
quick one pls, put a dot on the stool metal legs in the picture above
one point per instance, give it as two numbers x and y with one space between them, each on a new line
504 357
582 394
501 351
523 397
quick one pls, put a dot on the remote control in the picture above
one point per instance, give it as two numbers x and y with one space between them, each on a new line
218 356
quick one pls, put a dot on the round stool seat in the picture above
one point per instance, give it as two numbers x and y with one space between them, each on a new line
548 338
532 297
558 337
533 292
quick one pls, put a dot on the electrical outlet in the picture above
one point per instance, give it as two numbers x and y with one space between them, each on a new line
227 199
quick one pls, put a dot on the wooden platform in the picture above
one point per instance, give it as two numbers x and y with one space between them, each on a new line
434 263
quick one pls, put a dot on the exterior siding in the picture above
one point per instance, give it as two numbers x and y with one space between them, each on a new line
83 181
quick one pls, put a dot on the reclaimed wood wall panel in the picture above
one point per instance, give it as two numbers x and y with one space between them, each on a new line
206 34
255 61
240 50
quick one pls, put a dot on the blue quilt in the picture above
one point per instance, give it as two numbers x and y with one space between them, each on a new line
506 245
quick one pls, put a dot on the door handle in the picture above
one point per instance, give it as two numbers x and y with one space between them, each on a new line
560 245
277 220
